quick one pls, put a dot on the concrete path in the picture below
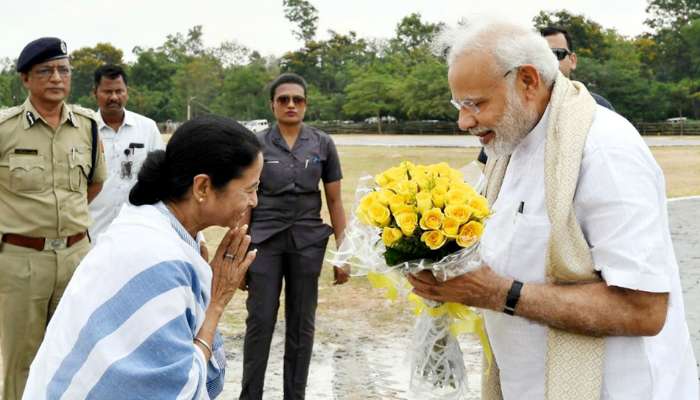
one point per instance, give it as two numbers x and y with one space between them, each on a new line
684 218
471 141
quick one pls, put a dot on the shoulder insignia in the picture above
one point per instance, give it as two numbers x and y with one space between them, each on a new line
82 111
31 119
8 113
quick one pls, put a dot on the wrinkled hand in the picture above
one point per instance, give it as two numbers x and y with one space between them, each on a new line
341 274
481 288
230 264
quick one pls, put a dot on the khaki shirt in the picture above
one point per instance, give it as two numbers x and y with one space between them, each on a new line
43 172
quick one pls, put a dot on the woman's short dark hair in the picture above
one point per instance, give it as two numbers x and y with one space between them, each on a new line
287 77
216 146
110 71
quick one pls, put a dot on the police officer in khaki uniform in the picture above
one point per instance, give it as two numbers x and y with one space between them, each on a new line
51 166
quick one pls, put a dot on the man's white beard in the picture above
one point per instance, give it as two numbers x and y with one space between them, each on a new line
517 121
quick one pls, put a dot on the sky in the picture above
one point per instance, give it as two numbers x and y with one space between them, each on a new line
260 24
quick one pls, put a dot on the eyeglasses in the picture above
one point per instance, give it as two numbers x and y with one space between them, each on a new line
470 105
47 72
560 53
284 100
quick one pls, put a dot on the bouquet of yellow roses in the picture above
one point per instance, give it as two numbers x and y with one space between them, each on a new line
425 212
421 217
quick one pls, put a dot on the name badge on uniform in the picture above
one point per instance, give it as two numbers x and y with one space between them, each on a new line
30 152
272 162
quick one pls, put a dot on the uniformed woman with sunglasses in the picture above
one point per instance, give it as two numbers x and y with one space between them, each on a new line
291 238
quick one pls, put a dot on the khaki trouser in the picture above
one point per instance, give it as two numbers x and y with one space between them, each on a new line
31 285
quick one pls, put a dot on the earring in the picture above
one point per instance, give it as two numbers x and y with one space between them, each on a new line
201 199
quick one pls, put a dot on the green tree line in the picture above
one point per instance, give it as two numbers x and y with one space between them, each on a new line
648 77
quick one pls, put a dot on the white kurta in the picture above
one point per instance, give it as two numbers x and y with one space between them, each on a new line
135 129
620 203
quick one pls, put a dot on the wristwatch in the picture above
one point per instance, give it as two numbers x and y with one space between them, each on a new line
513 297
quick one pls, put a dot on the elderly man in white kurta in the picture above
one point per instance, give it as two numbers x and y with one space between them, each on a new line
127 138
580 284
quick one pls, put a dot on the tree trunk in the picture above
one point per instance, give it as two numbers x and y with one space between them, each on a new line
379 123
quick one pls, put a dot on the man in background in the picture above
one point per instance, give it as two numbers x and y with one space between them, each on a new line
127 138
562 47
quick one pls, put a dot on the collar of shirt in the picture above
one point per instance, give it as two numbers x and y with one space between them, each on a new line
128 120
177 226
278 140
31 115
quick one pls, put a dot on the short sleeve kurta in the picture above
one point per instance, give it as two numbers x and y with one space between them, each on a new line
289 196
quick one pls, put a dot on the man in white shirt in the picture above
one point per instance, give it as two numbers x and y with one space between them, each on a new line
502 80
127 138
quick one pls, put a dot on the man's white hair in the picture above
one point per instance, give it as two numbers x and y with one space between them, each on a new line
510 44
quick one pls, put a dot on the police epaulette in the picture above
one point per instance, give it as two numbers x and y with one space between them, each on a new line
85 112
9 113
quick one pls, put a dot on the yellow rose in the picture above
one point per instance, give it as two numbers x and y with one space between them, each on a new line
407 221
382 180
396 174
443 181
379 215
419 170
432 219
465 187
469 233
369 199
407 188
424 183
363 217
460 212
424 201
393 186
438 196
441 169
456 196
480 206
385 196
391 236
399 205
433 239
450 227
407 165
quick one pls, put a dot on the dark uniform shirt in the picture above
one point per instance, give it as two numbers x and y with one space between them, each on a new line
289 196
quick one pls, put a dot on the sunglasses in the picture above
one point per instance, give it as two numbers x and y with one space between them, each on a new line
297 100
560 53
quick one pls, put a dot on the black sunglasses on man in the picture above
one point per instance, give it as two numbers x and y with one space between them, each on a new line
560 53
